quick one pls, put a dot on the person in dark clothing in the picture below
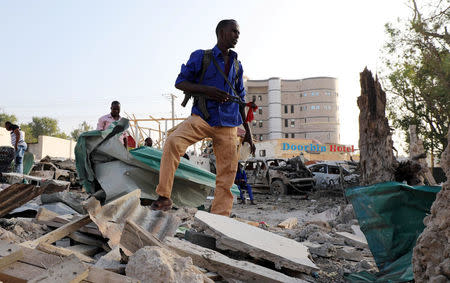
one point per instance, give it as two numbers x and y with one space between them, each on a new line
241 182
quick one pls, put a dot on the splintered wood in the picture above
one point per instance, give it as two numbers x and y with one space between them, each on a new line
377 160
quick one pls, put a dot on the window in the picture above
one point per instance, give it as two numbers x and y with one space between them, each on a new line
305 94
318 168
286 135
313 107
254 98
333 170
286 122
292 135
259 97
260 111
292 123
285 109
260 137
254 123
317 107
260 124
262 153
328 93
292 108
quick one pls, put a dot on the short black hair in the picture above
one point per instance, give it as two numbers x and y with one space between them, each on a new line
224 23
8 123
115 102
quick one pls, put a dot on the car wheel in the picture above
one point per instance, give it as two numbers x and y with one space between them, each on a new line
278 188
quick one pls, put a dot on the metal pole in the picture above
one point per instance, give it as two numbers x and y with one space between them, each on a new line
173 109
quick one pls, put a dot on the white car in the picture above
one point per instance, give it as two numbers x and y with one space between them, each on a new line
328 175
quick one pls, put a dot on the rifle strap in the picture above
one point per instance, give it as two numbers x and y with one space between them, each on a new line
205 63
225 77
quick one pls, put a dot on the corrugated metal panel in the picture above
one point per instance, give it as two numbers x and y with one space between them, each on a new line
111 217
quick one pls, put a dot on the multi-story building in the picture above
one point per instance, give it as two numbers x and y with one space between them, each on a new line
305 109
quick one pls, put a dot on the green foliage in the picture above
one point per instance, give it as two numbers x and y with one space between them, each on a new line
417 76
83 127
5 117
41 126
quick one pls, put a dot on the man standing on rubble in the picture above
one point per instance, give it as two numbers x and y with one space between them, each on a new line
225 116
106 120
19 144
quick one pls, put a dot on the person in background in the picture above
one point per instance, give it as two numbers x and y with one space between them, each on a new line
106 120
241 182
19 144
148 142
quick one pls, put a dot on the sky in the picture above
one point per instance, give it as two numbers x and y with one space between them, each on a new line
69 59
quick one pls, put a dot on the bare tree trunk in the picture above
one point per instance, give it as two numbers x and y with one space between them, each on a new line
431 258
378 163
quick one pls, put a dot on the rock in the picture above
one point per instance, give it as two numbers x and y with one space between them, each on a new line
325 250
8 236
344 228
363 265
432 248
309 230
349 253
155 264
346 214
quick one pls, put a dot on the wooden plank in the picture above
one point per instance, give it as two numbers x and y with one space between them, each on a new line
70 270
62 252
258 243
84 249
98 275
63 231
19 272
9 253
134 237
225 266
43 214
288 223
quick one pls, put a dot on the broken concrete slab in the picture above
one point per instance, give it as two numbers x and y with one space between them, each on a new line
327 215
354 240
111 217
258 243
66 197
155 264
226 267
326 250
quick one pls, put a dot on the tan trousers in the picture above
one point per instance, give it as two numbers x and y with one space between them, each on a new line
189 132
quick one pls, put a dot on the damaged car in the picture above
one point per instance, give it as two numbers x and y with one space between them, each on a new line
280 176
333 175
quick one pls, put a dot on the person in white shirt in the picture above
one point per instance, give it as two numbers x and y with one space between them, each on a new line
19 144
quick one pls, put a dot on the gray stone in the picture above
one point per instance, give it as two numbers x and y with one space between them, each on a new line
325 250
349 253
153 264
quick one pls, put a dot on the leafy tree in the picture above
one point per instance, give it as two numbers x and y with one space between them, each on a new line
41 126
417 74
83 127
6 117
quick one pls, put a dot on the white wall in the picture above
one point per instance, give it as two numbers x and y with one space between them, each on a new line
53 147
5 137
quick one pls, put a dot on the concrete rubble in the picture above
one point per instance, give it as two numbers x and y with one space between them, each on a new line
155 264
431 259
281 239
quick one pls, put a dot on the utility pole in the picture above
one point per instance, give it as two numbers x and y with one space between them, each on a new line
172 98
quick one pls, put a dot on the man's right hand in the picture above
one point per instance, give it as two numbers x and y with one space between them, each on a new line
216 94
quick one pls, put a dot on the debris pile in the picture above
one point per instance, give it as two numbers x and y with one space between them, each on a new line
431 259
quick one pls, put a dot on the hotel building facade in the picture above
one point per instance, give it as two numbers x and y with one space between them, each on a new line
295 109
